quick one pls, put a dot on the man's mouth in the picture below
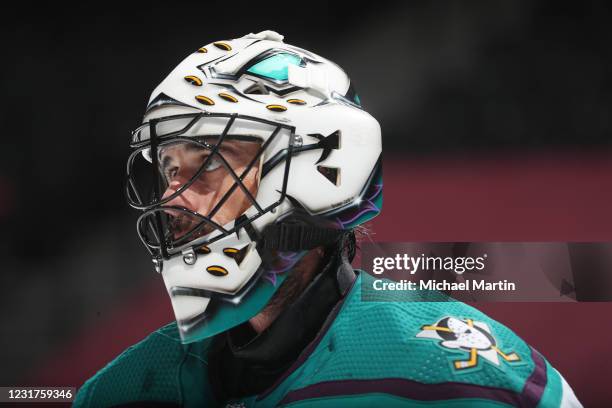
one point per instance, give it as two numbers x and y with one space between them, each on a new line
182 225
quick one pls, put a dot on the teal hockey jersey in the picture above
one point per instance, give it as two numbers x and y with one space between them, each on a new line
368 353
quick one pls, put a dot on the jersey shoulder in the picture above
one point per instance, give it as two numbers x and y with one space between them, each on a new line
145 372
426 351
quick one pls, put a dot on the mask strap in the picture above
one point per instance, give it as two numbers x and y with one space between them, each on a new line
298 237
345 275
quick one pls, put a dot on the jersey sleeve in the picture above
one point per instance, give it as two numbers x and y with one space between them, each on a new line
558 392
158 371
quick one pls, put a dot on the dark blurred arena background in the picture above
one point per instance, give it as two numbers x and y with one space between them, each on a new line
496 125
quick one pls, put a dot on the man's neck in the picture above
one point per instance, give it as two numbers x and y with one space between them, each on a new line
304 271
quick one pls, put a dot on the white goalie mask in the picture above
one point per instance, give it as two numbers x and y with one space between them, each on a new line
286 128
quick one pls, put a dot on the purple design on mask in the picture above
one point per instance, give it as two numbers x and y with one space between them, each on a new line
286 261
366 209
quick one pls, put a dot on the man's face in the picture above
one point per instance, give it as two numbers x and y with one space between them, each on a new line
179 162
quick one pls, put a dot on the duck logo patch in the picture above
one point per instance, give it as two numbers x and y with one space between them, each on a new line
472 337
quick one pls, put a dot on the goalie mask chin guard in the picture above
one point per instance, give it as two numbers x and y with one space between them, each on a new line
293 177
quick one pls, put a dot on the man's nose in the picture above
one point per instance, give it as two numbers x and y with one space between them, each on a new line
182 177
173 186
193 195
185 170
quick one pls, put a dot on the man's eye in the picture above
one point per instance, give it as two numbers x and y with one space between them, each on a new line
213 164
